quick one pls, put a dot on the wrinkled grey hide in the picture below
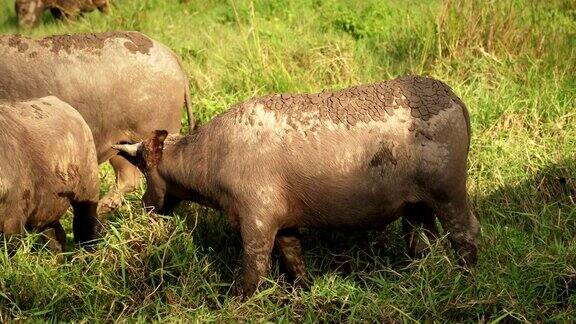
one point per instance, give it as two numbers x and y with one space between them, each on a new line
361 157
47 163
124 84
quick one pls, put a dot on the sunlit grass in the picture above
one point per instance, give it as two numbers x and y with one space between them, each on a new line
512 63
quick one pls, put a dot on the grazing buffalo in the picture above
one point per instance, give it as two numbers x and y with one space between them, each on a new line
124 84
361 157
30 12
47 163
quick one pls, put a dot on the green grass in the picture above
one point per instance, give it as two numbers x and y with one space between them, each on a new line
512 62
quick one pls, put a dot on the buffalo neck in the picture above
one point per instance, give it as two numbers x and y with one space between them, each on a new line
184 166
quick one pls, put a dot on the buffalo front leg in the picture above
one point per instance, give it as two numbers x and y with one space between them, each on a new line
290 248
127 180
257 242
13 229
463 229
419 227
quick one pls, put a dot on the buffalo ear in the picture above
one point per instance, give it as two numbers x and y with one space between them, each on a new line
160 135
154 147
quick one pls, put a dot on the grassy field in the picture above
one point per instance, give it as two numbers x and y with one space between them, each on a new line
512 62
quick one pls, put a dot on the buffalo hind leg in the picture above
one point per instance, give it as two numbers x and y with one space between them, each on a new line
13 229
462 227
290 248
85 224
258 242
127 180
419 227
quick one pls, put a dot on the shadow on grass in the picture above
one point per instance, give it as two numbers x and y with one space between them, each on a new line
542 210
527 204
553 184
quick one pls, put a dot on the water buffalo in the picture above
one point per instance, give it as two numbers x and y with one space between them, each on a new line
355 158
47 163
124 84
30 12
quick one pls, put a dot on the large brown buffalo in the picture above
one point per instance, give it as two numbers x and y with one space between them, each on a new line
124 84
47 163
357 158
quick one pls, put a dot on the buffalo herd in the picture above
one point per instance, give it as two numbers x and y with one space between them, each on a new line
356 158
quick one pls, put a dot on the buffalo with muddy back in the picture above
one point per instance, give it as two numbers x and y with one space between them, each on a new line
361 158
124 85
47 164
